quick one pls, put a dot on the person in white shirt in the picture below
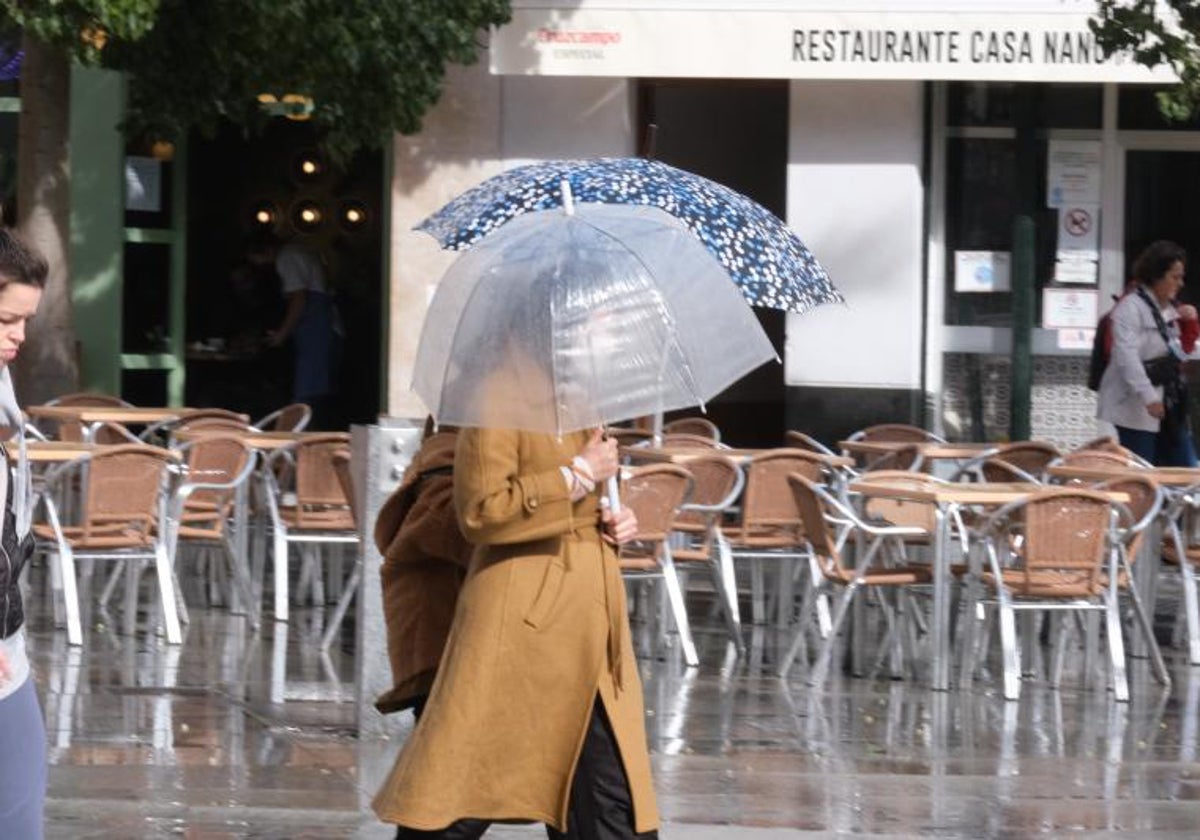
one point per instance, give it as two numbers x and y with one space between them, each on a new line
309 321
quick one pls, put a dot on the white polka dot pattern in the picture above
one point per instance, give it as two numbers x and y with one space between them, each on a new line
764 257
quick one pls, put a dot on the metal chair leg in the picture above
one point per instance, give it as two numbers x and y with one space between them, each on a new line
70 589
1010 652
1116 649
678 608
349 590
821 670
166 590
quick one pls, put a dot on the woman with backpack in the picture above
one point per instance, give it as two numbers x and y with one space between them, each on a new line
1142 391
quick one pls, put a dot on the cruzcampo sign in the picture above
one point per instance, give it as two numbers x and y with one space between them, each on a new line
761 42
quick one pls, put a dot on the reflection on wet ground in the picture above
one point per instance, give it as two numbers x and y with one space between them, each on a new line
207 740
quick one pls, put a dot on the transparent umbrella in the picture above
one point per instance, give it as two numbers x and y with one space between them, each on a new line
569 319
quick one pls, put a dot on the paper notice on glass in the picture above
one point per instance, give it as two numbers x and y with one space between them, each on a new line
1073 170
1070 309
143 184
1078 272
982 271
1075 339
1079 231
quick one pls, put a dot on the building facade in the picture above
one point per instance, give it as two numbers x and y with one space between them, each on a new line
898 139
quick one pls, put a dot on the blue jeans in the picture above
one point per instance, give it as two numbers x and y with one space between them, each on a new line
1159 448
22 764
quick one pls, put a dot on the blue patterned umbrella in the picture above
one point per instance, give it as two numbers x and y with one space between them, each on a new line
764 257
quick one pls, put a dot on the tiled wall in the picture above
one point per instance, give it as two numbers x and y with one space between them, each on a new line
1064 410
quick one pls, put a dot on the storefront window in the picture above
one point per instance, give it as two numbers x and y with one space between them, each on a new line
981 202
991 104
1137 110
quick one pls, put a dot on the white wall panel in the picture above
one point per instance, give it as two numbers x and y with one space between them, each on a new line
855 197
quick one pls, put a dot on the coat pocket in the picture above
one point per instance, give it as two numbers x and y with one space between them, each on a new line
547 595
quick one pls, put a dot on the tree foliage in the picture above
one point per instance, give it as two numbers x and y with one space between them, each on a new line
80 27
1157 32
371 67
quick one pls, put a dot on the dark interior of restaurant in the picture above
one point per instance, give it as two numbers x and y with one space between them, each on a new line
281 181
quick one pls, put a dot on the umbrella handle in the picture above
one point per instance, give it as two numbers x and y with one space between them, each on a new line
612 494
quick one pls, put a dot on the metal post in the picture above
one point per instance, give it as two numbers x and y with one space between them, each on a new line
379 454
1019 427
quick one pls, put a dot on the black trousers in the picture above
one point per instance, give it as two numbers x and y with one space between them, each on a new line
600 807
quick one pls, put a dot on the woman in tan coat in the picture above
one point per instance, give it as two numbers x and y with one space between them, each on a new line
536 713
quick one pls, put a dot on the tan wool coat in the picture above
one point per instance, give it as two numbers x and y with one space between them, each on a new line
540 631
425 557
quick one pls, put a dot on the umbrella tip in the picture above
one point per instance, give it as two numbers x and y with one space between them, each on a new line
568 199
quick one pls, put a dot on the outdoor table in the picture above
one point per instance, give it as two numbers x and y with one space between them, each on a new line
57 451
927 451
93 416
945 500
682 454
254 440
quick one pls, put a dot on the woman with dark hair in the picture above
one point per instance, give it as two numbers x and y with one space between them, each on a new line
1142 391
22 731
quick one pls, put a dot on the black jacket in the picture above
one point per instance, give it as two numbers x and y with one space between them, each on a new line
14 554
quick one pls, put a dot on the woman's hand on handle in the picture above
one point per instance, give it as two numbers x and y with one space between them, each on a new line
600 453
619 527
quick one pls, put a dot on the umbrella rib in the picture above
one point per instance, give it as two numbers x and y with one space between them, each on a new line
673 330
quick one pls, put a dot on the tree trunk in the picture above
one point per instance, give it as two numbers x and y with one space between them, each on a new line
48 364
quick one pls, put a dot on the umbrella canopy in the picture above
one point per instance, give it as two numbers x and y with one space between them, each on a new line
763 255
559 322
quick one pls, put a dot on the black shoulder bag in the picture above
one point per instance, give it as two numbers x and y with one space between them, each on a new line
1167 371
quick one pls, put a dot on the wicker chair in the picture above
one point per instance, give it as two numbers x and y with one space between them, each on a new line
1050 550
341 467
769 527
320 513
630 437
906 457
818 509
211 495
718 483
1108 443
1145 505
655 493
699 426
291 418
1095 459
120 518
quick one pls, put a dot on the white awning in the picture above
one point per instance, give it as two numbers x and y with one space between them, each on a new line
971 40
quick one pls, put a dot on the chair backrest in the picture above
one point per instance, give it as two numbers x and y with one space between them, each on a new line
215 459
341 466
681 440
123 488
996 470
1099 459
912 513
811 506
795 439
716 478
767 501
1030 456
699 426
1065 533
317 485
72 430
291 418
629 437
90 400
899 432
1145 501
900 458
654 493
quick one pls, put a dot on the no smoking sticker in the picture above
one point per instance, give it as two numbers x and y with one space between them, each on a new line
1077 221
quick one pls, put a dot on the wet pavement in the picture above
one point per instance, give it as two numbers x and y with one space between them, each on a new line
207 741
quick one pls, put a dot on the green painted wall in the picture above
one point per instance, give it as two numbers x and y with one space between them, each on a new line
97 223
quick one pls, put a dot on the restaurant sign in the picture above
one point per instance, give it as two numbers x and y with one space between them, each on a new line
707 43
